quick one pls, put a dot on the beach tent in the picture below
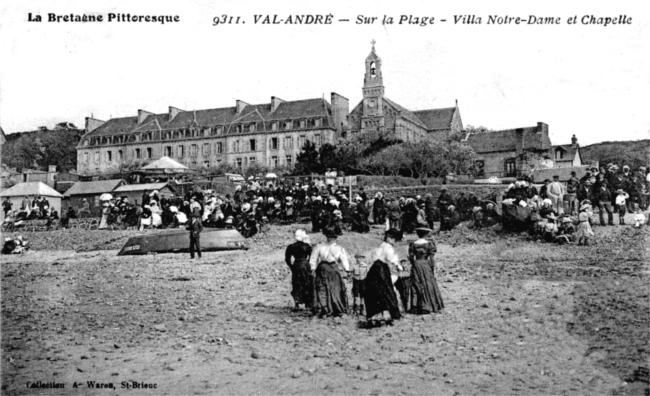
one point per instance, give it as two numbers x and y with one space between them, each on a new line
165 165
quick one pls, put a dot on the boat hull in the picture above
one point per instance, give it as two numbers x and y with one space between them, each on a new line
179 241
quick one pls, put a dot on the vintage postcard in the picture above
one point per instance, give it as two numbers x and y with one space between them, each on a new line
289 197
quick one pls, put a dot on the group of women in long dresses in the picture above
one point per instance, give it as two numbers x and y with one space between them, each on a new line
317 282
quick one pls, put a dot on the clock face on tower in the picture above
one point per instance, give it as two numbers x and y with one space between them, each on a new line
371 103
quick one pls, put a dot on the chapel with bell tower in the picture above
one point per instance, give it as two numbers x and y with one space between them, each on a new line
373 94
377 113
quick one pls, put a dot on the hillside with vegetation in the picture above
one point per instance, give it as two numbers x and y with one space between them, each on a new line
42 147
633 153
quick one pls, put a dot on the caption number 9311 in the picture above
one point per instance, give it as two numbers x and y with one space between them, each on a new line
226 20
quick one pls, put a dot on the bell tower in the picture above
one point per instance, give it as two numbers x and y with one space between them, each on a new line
373 94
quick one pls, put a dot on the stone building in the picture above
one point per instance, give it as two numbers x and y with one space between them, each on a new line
511 152
271 134
376 112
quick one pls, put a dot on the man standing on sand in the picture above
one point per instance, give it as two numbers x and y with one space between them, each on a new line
556 194
195 227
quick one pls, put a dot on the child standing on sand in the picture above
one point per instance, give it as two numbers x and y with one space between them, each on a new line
584 228
621 200
639 217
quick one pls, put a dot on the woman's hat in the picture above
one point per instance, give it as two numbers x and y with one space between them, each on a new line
547 201
584 207
330 232
620 191
300 235
566 220
551 216
246 207
423 229
476 209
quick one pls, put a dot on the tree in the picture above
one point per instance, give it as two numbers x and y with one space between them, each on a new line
307 161
254 169
460 159
479 129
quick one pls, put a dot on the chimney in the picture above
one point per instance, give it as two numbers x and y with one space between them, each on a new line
574 141
340 111
241 105
275 103
142 115
173 112
92 124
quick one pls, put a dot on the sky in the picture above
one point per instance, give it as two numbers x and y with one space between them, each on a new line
589 80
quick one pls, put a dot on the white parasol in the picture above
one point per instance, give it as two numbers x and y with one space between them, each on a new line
105 197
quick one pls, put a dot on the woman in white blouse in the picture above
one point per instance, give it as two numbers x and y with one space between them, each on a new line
330 293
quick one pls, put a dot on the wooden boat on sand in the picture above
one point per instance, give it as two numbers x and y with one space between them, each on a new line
212 239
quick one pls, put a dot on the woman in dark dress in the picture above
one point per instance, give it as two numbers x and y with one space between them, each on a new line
330 293
425 293
301 279
380 296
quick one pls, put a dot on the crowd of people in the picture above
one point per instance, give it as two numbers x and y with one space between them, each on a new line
38 208
252 207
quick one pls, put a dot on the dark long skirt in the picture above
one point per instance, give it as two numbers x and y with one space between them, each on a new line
330 294
301 283
380 294
403 286
426 297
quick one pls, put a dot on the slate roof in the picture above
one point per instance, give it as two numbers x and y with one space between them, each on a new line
94 187
436 118
406 113
220 116
539 175
142 187
31 188
508 140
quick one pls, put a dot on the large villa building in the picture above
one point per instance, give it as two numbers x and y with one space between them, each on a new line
272 134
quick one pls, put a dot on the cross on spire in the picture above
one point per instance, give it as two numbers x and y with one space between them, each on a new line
373 44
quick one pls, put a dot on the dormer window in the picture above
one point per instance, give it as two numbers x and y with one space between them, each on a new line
252 127
288 124
317 122
303 123
238 129
274 126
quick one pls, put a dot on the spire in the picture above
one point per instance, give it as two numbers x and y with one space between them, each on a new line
373 42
